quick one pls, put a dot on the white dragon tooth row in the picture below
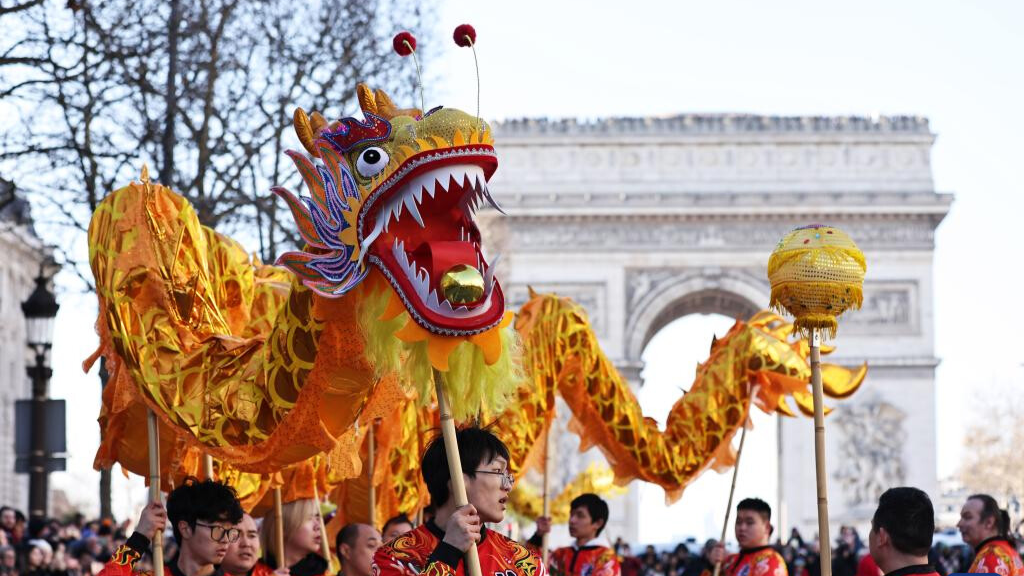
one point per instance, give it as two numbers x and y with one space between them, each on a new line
465 175
471 177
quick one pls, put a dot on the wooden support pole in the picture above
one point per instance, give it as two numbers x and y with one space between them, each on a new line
208 467
153 430
732 490
279 524
825 542
371 462
451 448
547 491
325 546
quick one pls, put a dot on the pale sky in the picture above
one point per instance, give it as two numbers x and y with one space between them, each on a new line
958 63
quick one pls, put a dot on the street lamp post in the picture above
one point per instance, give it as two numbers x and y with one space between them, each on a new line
40 310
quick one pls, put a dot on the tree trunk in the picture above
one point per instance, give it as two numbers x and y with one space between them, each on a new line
105 508
170 96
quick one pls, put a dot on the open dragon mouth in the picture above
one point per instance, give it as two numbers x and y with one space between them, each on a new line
418 228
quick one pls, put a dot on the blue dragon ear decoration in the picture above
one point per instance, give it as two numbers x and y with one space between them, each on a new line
326 222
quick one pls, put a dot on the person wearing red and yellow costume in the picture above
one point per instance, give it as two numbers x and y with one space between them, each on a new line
204 516
588 515
753 530
986 528
437 547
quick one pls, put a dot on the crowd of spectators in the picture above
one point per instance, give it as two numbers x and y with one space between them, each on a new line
849 557
75 547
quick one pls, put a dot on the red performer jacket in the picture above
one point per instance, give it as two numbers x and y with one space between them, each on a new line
760 561
587 560
997 556
122 563
423 552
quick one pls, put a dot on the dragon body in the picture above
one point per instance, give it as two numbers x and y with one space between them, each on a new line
266 367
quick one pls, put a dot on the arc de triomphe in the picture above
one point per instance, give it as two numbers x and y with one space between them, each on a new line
647 220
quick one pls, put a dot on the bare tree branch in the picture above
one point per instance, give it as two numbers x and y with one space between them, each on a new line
89 84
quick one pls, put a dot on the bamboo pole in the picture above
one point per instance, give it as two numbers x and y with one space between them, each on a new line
154 486
325 546
208 467
451 448
824 541
279 524
732 490
779 481
371 462
547 492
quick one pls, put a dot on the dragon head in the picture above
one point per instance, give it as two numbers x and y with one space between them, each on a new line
398 191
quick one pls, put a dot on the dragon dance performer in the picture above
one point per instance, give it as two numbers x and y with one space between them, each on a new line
243 553
302 535
395 527
589 556
986 528
901 532
203 516
355 546
435 551
753 531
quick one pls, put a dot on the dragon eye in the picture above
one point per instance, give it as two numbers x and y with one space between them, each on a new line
372 161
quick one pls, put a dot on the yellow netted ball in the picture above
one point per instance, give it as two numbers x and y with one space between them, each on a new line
816 273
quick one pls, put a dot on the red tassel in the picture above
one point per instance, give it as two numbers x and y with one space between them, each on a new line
404 43
465 35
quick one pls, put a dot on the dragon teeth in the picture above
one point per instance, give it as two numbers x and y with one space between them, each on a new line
490 200
413 209
489 275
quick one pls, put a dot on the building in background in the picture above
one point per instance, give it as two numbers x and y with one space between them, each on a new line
646 220
23 254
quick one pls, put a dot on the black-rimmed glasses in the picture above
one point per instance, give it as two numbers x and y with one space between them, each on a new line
222 534
507 479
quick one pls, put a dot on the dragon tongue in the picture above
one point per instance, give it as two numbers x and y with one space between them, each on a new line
439 256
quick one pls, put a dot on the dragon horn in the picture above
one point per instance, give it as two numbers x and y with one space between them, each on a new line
304 131
389 110
367 100
317 122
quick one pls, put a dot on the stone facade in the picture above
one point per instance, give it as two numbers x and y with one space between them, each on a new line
23 252
646 220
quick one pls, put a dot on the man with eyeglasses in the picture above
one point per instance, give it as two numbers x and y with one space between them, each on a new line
244 552
437 548
204 517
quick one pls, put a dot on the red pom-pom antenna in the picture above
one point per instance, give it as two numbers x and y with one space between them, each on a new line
404 43
465 35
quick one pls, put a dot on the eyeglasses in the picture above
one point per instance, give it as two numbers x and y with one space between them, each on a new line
507 479
222 534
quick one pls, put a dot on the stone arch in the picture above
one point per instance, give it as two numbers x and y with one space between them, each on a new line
728 294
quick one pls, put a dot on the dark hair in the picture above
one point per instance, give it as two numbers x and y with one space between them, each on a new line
596 507
756 505
908 517
476 446
347 535
990 509
400 519
206 500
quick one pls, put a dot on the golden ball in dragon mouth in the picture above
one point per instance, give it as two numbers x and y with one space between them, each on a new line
462 284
